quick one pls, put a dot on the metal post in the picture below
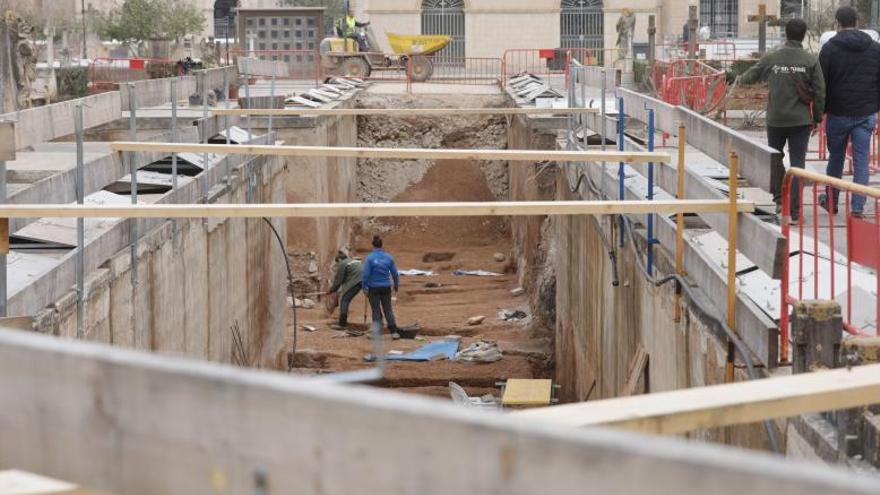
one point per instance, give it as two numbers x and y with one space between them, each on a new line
679 220
132 170
604 125
732 217
621 176
80 225
5 242
205 187
247 98
652 42
271 99
650 193
174 155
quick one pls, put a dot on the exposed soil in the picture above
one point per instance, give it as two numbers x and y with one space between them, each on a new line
440 304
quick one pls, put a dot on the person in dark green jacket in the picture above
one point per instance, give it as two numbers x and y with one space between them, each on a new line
794 106
349 273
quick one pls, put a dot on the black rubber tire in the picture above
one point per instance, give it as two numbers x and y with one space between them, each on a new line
422 68
356 67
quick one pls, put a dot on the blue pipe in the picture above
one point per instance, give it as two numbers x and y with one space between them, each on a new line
651 239
621 126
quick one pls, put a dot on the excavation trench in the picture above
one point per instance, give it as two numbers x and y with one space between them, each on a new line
440 304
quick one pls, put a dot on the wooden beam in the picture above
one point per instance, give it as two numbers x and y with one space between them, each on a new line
313 210
398 153
872 192
397 112
690 409
637 368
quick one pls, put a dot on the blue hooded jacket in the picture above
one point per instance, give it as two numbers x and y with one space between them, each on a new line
379 269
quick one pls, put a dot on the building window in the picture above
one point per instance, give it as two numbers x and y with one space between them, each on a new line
287 46
286 34
445 17
299 45
274 35
311 34
299 21
582 28
720 16
262 21
286 21
310 21
311 45
299 34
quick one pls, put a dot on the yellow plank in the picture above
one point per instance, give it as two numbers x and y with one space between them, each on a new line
729 404
527 392
398 153
397 112
316 210
16 482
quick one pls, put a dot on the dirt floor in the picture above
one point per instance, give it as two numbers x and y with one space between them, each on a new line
440 304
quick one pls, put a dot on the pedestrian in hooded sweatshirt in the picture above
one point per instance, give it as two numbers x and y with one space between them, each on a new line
379 273
794 105
851 64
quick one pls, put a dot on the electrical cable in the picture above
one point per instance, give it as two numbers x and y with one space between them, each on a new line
584 178
740 346
289 289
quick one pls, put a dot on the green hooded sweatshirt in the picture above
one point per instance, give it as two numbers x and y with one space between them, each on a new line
349 273
783 68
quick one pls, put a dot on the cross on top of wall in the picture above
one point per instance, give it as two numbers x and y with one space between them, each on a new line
763 20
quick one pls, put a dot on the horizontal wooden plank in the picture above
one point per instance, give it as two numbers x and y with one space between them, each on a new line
396 153
729 404
312 210
845 185
398 112
16 482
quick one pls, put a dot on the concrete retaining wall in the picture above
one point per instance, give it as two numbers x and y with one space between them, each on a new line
46 123
317 180
155 92
121 421
599 326
191 292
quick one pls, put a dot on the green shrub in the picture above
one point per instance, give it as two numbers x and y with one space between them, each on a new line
73 82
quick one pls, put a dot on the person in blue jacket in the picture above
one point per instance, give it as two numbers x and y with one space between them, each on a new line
379 273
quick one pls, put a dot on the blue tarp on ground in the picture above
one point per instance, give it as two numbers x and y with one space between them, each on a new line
427 351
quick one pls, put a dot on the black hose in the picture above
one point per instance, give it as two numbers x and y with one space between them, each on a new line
612 253
289 288
740 346
681 284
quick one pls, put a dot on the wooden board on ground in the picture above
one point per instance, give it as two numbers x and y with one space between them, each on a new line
323 210
398 112
16 482
690 409
398 153
637 367
527 392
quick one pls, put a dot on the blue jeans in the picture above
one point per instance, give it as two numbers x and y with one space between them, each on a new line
840 130
345 303
380 302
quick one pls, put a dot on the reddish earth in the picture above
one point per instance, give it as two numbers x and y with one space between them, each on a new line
442 310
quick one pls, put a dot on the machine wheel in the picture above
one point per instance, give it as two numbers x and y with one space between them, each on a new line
422 68
356 67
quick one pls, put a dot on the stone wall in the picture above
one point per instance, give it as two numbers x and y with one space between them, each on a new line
193 287
599 326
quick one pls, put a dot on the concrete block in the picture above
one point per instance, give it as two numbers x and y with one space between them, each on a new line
816 328
865 349
7 141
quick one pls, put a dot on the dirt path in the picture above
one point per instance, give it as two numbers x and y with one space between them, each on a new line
440 304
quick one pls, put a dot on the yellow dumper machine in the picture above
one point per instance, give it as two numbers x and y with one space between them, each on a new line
342 56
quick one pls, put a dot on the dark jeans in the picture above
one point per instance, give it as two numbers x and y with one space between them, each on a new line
345 302
380 302
840 130
798 139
